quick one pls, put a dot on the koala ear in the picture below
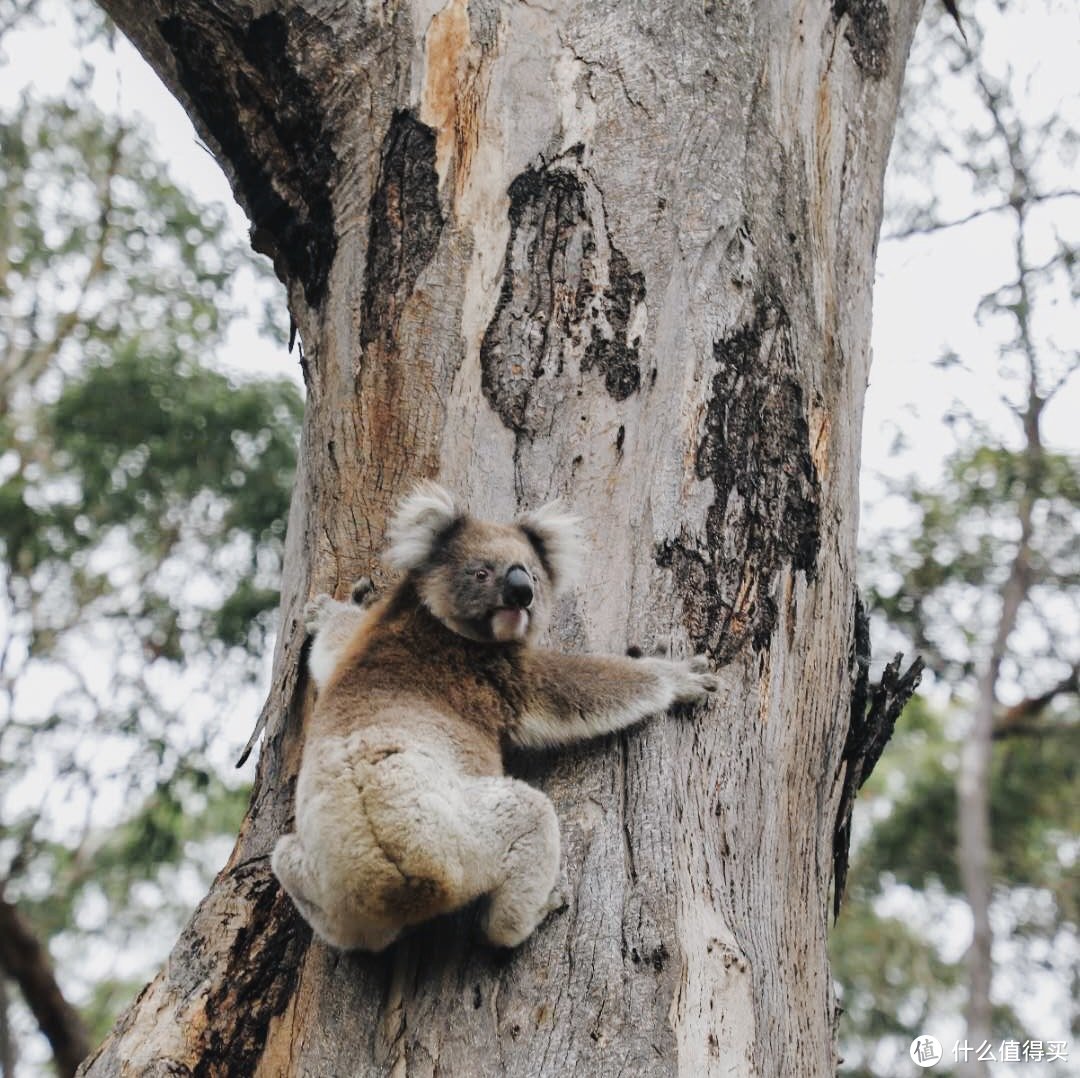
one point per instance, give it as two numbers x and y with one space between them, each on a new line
421 522
555 532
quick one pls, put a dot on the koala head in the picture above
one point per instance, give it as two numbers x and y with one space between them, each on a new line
487 582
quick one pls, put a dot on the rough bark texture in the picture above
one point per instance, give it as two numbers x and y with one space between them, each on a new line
618 253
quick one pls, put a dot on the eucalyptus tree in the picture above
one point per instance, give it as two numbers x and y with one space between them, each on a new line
621 253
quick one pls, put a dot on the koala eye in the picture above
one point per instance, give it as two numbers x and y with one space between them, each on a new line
481 574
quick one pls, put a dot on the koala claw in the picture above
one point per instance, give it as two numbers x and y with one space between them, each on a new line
316 611
557 901
693 679
659 651
363 591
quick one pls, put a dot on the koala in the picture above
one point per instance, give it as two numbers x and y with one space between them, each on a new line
403 809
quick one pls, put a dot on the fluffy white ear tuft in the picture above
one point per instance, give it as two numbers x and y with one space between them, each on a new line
424 515
555 531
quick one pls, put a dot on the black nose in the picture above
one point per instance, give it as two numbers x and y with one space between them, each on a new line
517 587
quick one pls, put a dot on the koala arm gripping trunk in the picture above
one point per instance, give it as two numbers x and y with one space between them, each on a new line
568 698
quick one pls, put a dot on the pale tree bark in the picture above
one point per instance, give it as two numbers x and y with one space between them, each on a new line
620 252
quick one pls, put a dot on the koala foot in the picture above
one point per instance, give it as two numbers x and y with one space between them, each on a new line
691 679
557 901
317 611
363 592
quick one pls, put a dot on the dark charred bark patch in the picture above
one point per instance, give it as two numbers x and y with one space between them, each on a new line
705 610
614 355
868 32
406 223
756 449
567 292
247 85
757 441
262 966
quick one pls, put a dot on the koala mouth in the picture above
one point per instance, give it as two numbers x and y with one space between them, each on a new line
509 623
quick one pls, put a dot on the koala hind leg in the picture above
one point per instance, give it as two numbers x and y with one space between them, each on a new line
349 933
524 831
287 861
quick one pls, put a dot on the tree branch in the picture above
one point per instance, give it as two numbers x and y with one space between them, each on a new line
24 368
1017 719
941 226
7 1043
874 712
26 962
31 365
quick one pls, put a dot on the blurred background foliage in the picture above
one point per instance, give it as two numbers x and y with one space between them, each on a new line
976 566
143 497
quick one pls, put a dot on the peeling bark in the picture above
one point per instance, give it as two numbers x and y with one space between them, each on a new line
624 255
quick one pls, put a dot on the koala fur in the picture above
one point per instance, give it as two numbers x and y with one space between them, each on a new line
403 811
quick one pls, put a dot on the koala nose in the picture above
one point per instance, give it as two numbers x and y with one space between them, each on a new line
517 587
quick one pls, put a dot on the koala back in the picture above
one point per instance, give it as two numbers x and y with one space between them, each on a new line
409 679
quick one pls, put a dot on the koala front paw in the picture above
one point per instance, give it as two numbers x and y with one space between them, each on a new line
317 611
363 592
692 679
634 651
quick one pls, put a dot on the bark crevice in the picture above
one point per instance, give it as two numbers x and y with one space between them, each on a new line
406 222
258 979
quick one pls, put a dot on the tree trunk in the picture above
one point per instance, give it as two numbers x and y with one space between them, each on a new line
615 253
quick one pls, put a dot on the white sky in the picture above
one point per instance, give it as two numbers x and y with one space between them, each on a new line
927 288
